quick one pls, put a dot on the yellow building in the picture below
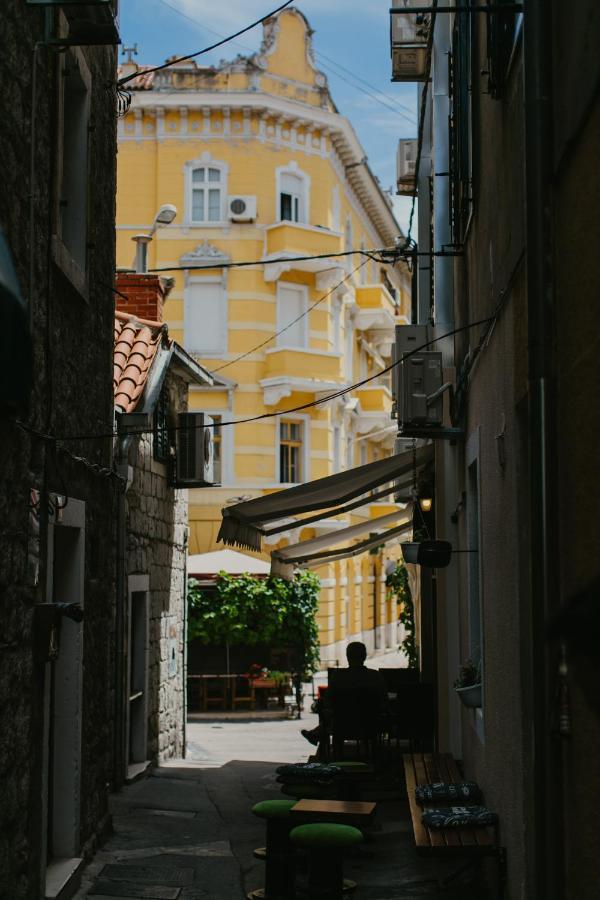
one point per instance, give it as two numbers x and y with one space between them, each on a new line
262 168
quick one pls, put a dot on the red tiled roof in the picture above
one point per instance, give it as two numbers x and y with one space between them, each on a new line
143 81
136 344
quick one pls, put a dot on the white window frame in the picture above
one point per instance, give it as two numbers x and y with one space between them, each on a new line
205 161
304 420
191 280
282 341
292 168
227 446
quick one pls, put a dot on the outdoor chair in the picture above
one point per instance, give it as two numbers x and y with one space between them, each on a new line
325 843
278 853
215 691
243 692
355 719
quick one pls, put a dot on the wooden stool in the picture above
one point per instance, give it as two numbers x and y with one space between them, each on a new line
325 842
278 853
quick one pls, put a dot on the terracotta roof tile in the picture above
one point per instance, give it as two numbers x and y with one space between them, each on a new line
143 81
135 346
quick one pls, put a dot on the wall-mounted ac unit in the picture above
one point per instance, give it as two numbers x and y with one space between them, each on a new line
409 33
406 161
194 450
241 209
422 402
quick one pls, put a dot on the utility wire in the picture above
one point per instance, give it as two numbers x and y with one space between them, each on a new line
271 415
225 40
261 262
375 96
293 322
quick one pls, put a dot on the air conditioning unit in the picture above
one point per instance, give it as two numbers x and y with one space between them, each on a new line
409 338
409 34
241 209
406 161
422 402
194 450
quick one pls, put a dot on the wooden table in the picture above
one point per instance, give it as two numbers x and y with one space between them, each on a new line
343 812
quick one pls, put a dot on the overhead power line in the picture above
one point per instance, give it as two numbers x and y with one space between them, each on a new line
167 65
489 320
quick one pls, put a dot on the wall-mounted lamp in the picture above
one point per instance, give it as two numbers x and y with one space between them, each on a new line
425 503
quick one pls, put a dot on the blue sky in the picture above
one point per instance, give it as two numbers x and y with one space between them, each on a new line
349 34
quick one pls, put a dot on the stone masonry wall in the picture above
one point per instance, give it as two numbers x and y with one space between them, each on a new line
72 394
157 546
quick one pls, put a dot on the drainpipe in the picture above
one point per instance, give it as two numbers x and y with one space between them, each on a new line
444 591
545 838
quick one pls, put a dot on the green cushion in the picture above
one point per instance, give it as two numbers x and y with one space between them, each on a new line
273 809
350 764
325 834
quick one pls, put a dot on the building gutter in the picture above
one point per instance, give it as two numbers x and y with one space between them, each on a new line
545 837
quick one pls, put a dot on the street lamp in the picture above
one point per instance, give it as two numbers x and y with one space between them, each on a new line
164 216
425 503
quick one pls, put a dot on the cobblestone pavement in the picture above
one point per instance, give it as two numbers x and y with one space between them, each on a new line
186 832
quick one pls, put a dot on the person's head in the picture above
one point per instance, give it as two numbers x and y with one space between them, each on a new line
356 653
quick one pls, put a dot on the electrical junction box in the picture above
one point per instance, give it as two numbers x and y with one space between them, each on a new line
421 378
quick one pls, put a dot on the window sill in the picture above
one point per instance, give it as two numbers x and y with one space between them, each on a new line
70 269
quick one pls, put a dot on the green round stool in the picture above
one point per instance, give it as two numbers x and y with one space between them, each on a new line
304 790
325 843
278 853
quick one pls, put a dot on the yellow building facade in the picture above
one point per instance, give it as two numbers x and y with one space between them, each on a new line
264 170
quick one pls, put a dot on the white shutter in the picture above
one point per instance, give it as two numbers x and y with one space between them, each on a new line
206 318
291 303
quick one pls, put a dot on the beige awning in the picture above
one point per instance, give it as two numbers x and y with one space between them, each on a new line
284 568
244 523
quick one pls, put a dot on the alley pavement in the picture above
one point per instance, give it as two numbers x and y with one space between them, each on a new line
186 832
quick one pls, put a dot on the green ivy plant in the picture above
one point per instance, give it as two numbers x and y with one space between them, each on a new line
243 609
398 586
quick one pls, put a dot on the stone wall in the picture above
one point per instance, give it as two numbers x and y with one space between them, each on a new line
157 546
72 394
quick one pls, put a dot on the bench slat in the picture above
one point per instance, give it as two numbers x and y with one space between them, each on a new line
423 768
421 833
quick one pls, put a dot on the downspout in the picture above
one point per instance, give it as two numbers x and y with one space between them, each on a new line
546 829
124 469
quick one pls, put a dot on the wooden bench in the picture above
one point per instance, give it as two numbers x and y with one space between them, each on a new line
474 843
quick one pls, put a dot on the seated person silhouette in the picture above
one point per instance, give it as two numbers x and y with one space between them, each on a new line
355 698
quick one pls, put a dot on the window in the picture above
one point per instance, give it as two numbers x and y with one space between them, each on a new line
290 452
291 308
207 191
217 448
161 427
363 268
461 127
348 240
292 194
290 198
205 317
72 168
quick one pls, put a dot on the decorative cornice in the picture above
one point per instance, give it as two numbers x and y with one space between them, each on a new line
204 253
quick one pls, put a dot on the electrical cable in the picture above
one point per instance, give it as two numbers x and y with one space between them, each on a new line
293 322
367 93
261 262
226 40
270 415
408 112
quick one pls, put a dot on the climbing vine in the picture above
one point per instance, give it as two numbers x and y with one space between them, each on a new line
242 609
399 587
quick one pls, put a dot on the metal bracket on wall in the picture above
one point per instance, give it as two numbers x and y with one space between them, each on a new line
440 434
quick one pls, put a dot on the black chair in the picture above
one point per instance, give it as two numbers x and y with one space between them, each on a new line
412 716
396 679
355 717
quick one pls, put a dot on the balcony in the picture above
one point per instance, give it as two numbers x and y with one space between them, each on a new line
376 316
295 370
286 239
374 409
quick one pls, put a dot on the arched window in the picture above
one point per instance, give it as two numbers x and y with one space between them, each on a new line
206 191
292 194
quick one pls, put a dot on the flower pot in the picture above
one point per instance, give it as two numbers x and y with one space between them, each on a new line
471 695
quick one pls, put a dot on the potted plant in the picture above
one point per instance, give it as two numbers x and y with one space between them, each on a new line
468 684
